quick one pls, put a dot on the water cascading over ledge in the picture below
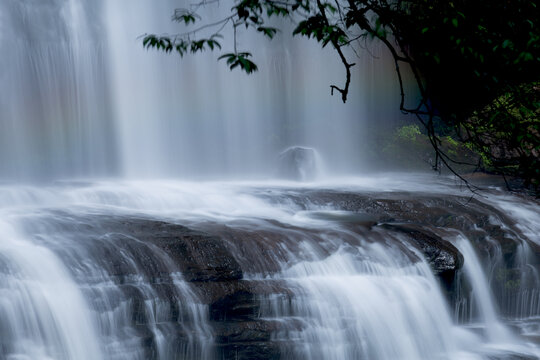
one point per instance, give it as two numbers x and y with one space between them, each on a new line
368 268
168 270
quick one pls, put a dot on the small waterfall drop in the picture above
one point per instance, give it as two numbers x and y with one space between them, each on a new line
74 289
482 294
43 311
350 308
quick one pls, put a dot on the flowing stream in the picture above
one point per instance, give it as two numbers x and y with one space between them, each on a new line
221 259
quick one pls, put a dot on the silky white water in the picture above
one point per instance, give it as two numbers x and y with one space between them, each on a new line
92 269
82 97
44 314
495 331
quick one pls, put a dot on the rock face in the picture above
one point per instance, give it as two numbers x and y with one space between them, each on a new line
298 163
199 257
443 257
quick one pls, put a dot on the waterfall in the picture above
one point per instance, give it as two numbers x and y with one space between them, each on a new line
73 290
482 294
138 221
200 118
82 98
54 111
350 308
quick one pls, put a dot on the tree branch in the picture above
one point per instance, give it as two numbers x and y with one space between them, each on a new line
344 91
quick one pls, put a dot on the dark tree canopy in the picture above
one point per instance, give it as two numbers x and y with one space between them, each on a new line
475 63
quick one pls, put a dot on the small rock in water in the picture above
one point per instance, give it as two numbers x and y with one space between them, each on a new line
298 163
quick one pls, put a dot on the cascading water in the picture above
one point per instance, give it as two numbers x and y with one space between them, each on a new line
348 303
495 331
281 272
44 315
75 291
359 268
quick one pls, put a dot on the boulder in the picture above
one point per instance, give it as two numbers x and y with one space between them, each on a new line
298 163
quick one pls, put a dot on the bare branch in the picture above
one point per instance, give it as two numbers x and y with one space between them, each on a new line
344 91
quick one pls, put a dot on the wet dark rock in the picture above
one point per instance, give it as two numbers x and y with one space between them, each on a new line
130 247
253 339
239 300
261 247
256 248
443 257
245 331
237 306
511 356
199 257
265 350
152 244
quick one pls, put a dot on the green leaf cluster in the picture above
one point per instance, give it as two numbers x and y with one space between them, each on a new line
181 46
240 59
317 27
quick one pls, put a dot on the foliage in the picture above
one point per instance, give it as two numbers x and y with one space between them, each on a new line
240 59
408 148
507 133
408 132
475 63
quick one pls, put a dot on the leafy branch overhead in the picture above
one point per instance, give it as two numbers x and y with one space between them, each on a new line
476 64
181 46
249 14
